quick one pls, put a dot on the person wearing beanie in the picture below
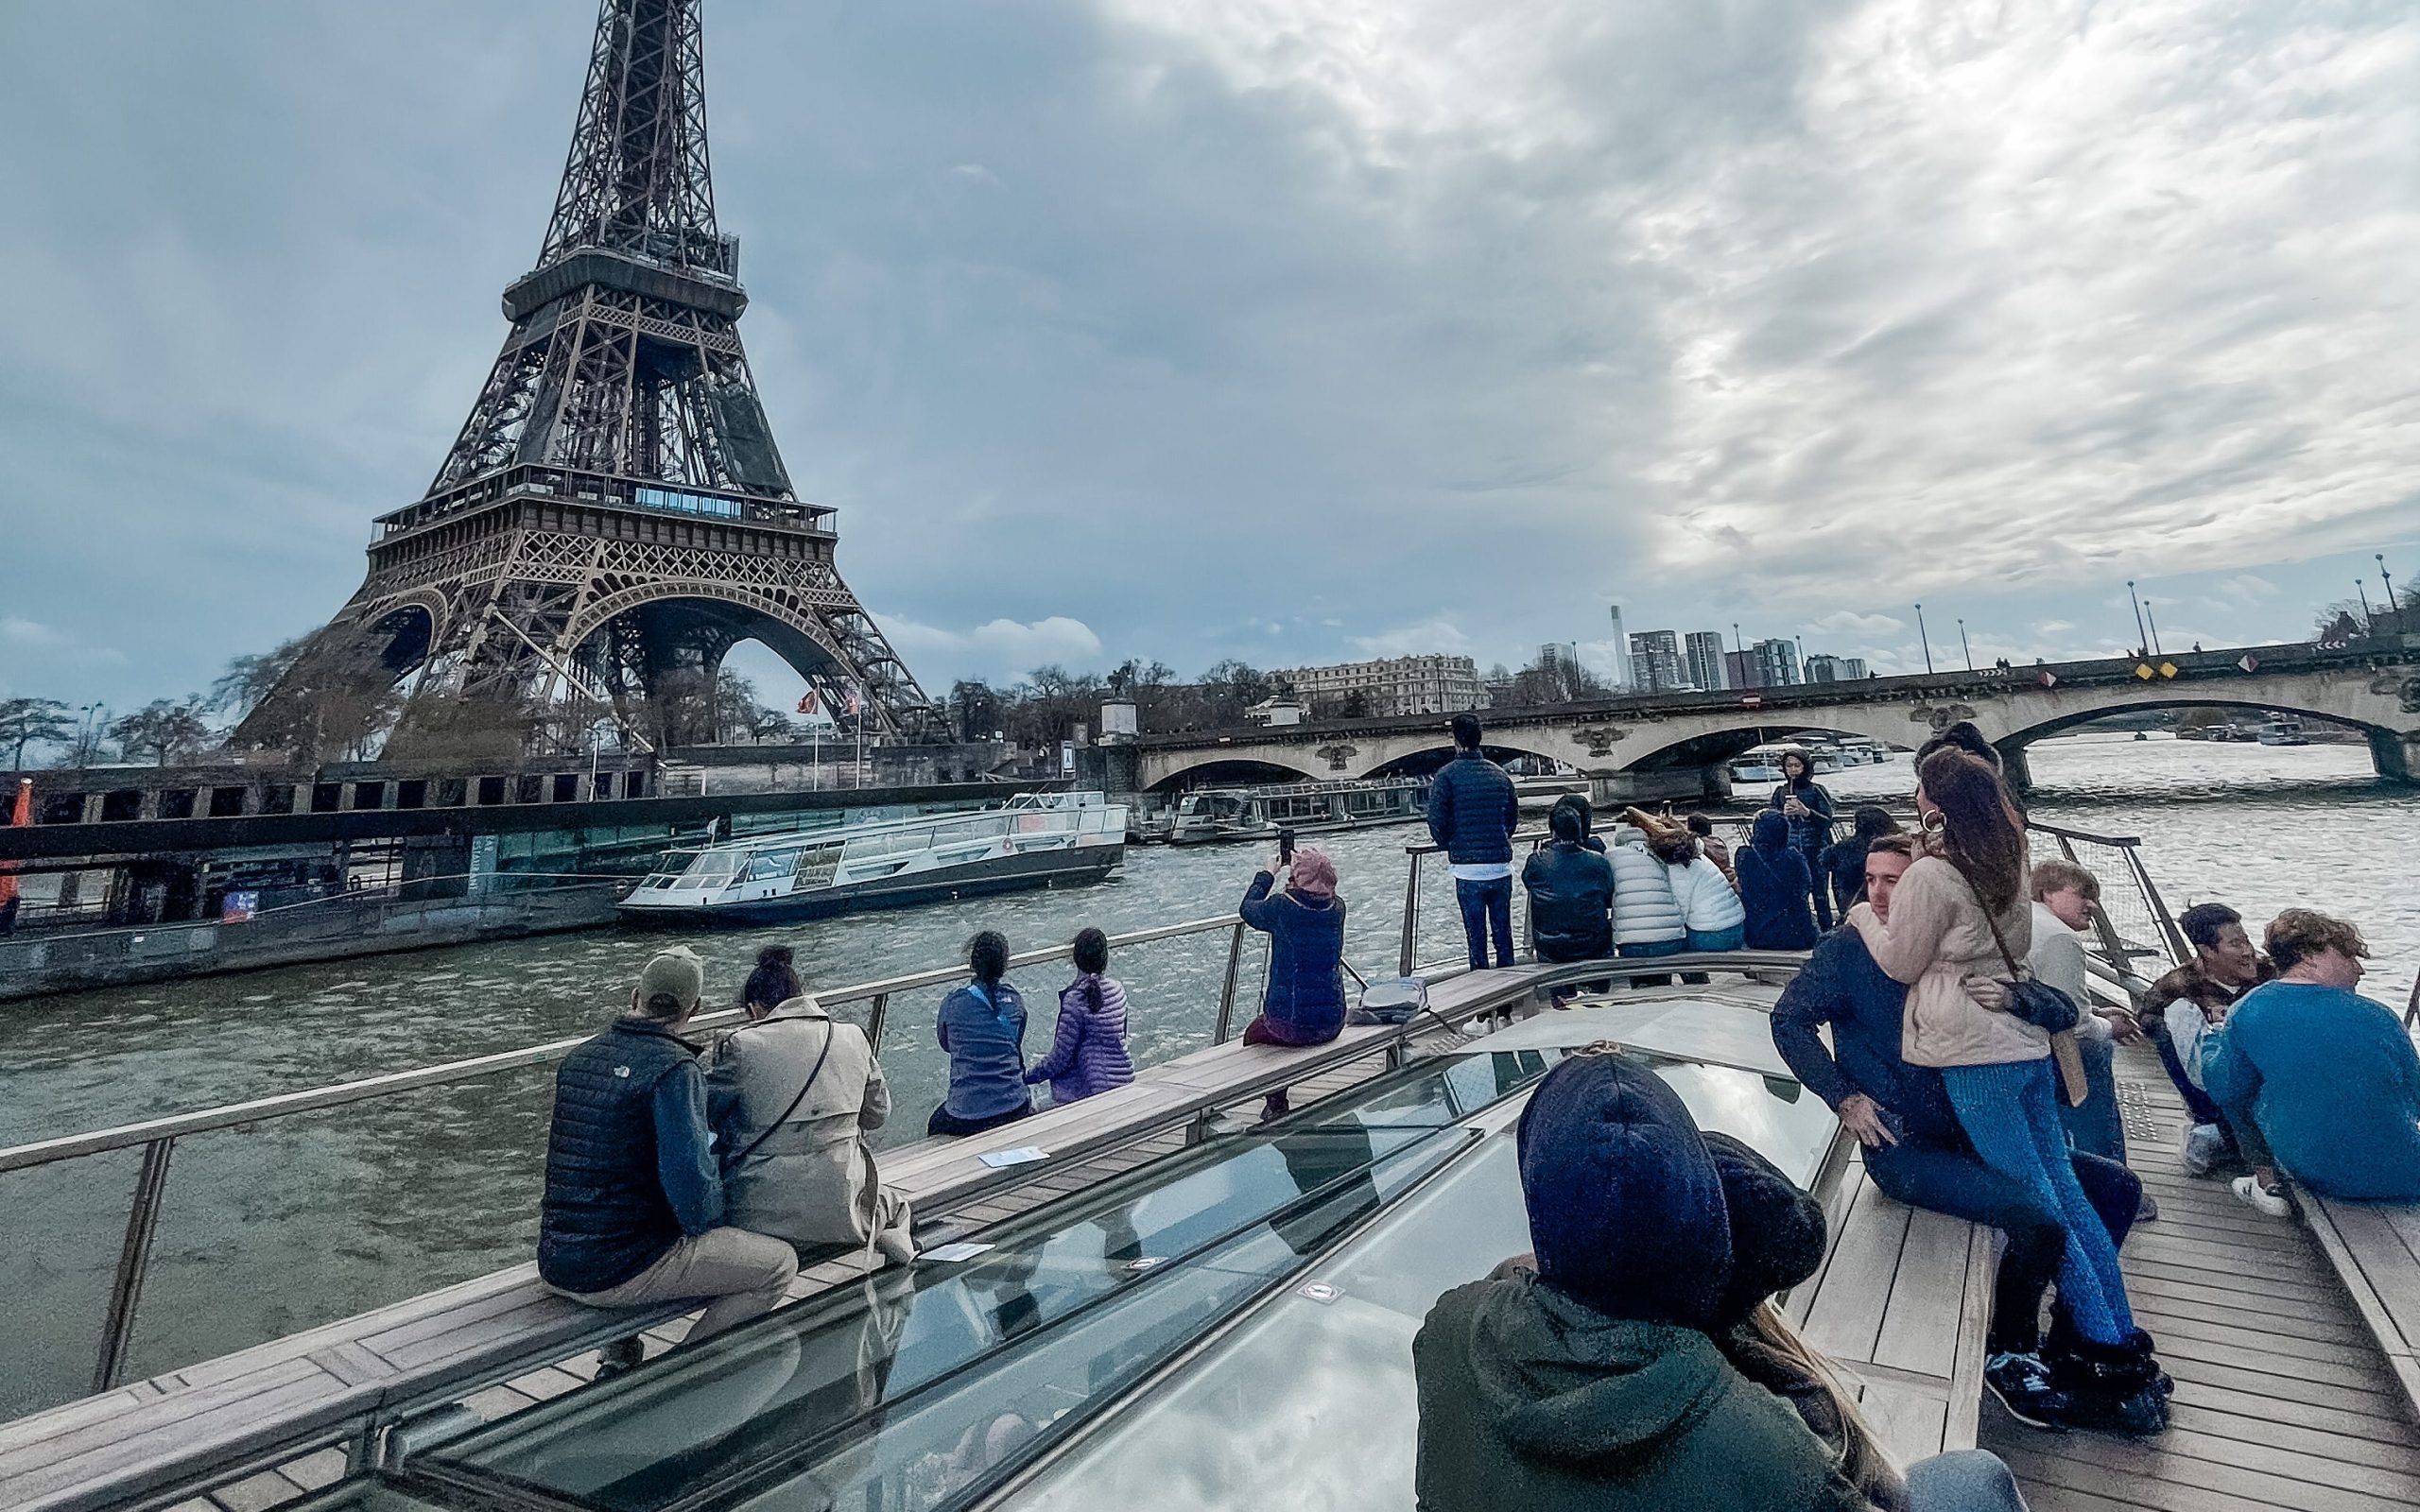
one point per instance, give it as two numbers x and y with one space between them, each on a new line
1592 1381
1775 888
1570 888
789 1098
1805 804
634 1212
1303 1004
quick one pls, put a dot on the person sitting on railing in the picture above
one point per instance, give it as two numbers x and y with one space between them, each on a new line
983 1027
1303 1004
2065 895
2181 1009
633 1214
1775 888
1807 806
1648 921
1088 1049
789 1098
1590 1380
2329 1076
1570 888
1841 866
1917 1153
1963 915
1712 845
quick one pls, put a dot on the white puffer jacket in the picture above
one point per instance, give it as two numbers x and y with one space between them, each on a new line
1709 904
1644 910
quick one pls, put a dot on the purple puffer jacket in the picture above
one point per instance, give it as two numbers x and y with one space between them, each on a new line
1088 1052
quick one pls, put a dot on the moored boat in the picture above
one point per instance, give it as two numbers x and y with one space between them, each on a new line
1032 840
1307 808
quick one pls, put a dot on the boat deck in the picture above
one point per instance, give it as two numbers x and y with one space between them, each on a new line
2284 1398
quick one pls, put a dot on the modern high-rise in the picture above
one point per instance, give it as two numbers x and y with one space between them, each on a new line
1823 668
1623 681
1701 651
1655 664
1777 663
1740 670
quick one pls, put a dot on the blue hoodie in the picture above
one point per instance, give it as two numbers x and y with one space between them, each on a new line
2333 1083
1775 888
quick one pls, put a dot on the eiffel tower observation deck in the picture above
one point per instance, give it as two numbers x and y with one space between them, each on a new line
615 515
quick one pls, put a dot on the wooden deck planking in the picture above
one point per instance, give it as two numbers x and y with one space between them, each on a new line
2284 1398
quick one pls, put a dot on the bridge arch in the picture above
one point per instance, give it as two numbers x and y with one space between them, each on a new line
1684 746
2164 699
1232 772
1425 760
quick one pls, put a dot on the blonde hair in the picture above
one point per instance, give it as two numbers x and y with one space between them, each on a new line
2059 875
1859 1455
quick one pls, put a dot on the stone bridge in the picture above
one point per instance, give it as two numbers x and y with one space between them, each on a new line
1674 746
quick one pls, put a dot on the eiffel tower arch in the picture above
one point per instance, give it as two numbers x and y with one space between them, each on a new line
614 515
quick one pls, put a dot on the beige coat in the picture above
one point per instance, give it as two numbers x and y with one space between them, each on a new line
1937 938
812 1180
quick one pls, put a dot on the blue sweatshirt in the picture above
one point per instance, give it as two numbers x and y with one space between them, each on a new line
983 1029
1841 986
2333 1083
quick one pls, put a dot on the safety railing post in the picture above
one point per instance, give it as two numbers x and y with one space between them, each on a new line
2178 950
875 1018
133 1264
1409 958
1227 990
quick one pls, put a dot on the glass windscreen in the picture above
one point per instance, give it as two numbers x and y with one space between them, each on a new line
1309 1402
921 1383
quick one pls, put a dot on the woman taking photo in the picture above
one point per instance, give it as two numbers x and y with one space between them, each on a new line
1959 913
1305 922
1803 801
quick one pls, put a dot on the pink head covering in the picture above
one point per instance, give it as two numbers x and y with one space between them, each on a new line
1313 874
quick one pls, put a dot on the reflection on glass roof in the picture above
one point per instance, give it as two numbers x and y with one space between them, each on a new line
919 1384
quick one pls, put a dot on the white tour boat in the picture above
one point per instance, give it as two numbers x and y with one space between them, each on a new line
1032 840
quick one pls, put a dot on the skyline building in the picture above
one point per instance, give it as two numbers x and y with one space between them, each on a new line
1656 663
1622 680
1702 652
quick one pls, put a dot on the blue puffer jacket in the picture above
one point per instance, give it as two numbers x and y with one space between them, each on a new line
1775 888
1473 811
1644 910
1306 997
1571 895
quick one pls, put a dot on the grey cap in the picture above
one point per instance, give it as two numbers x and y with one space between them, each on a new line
677 973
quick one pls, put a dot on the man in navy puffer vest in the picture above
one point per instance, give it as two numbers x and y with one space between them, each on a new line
634 1210
1473 812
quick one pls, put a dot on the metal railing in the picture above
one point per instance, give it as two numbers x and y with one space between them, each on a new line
157 1138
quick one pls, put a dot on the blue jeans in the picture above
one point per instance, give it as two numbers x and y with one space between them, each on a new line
1487 909
1963 1480
1953 1179
1717 939
2097 1128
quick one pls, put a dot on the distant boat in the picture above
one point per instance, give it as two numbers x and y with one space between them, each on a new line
1213 813
2282 732
1032 840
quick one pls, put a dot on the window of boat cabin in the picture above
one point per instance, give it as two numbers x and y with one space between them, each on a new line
772 866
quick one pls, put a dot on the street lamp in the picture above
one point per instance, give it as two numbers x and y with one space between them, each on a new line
1925 638
2142 637
2380 559
2361 587
2155 619
1963 646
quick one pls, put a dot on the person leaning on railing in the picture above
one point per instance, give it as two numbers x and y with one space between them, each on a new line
633 1214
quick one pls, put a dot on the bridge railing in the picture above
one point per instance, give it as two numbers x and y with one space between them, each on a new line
157 1139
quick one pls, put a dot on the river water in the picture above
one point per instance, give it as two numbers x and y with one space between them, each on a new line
277 1227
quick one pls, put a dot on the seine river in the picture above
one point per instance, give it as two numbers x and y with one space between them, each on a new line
274 1228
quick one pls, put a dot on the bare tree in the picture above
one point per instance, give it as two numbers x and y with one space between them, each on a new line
26 721
164 728
249 679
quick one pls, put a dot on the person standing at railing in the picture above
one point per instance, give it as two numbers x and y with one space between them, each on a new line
1775 887
2329 1077
1303 1004
633 1214
790 1098
1088 1049
1807 806
1473 810
983 1027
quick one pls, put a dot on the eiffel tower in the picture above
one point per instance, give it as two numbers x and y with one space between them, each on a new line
615 515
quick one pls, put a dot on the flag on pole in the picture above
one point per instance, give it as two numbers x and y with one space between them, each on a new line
856 700
810 705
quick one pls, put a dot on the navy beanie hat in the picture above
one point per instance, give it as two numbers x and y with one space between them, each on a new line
1626 1210
1771 832
1777 1231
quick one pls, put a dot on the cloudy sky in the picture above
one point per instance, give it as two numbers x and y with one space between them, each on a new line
1292 330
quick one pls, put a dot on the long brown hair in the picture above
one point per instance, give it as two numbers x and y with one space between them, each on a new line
1778 1348
1979 833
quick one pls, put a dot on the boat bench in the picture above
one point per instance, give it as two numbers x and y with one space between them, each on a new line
1902 1304
149 1442
2375 1249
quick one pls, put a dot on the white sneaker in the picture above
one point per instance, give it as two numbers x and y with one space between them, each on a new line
2249 1190
2204 1144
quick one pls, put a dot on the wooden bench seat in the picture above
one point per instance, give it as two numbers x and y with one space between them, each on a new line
227 1417
1902 1304
2375 1249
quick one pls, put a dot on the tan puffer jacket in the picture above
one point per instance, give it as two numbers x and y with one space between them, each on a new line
1937 938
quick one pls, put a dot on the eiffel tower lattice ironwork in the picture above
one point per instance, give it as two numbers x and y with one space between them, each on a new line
615 515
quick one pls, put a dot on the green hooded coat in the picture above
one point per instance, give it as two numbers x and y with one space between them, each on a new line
1532 1399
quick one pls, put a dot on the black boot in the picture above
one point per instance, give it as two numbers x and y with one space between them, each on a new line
2112 1388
